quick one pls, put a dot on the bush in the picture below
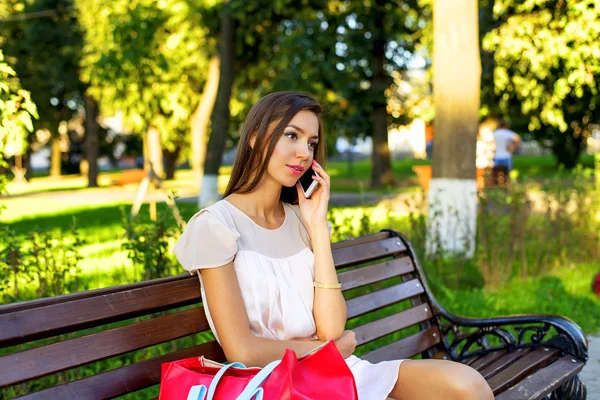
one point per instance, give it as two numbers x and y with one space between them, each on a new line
40 263
148 244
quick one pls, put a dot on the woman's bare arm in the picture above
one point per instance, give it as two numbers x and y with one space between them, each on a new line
230 319
329 307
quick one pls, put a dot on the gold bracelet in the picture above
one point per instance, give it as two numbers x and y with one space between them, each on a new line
327 285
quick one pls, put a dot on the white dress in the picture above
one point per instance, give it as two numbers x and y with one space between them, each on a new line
275 270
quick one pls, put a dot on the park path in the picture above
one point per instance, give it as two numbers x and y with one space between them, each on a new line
591 372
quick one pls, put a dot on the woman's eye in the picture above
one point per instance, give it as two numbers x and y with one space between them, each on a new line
291 135
312 145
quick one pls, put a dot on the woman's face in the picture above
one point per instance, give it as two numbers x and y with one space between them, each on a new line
294 152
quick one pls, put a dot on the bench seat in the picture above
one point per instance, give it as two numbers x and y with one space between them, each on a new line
110 342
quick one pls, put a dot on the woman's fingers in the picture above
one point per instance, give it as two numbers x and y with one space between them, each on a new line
317 167
322 181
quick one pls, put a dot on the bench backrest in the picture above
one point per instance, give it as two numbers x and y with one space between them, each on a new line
72 346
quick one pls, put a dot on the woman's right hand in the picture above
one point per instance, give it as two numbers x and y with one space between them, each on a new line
346 344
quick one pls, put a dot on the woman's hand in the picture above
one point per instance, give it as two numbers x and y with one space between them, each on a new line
314 209
346 344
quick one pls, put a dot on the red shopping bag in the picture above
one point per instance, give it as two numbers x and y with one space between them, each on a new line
320 375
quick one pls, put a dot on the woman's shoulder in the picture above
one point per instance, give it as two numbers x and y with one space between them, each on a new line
215 216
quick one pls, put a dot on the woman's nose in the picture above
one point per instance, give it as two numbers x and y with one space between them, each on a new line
302 152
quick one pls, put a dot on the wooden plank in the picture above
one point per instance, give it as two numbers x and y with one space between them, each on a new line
407 347
470 360
487 359
384 297
42 361
26 325
544 381
360 240
376 273
360 253
384 326
523 367
65 298
503 362
124 380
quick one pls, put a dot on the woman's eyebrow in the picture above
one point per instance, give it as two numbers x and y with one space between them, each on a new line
301 130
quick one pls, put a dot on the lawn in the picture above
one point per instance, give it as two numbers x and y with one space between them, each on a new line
352 178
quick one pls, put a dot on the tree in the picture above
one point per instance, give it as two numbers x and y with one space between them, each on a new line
546 68
354 50
148 59
456 87
44 52
220 115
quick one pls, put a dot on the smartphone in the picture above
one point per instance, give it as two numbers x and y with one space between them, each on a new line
309 185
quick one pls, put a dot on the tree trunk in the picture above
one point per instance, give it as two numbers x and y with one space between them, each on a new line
91 143
381 171
56 156
567 148
220 115
154 151
457 74
171 158
27 162
201 119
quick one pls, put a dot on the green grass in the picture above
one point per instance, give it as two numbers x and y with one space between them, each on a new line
345 177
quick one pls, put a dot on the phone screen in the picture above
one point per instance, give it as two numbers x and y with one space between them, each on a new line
306 180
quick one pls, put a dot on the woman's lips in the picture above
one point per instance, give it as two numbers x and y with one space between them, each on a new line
295 171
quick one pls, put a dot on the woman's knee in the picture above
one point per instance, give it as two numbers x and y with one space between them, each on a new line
466 383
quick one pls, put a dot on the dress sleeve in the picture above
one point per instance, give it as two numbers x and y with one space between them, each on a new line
206 243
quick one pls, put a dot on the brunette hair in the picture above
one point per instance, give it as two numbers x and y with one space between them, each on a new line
251 161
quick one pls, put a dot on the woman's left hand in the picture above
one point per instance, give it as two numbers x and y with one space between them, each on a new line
314 209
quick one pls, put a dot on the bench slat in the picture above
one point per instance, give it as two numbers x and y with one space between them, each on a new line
502 363
30 364
27 325
381 327
375 273
360 253
66 298
487 359
360 240
544 381
124 380
384 297
407 347
526 365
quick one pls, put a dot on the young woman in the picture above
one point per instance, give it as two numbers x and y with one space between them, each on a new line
264 259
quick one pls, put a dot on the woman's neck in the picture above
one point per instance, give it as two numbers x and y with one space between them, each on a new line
263 202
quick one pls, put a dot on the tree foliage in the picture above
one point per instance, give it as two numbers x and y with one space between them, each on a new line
17 111
546 71
147 58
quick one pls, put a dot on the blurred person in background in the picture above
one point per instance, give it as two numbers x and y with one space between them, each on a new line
507 142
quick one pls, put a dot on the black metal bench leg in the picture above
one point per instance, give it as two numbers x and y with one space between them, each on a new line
573 389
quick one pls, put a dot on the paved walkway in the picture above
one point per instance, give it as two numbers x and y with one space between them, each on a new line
591 372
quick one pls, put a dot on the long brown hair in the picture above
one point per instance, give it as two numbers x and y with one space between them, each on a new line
251 161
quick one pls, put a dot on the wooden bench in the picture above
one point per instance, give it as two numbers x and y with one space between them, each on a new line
128 176
390 307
